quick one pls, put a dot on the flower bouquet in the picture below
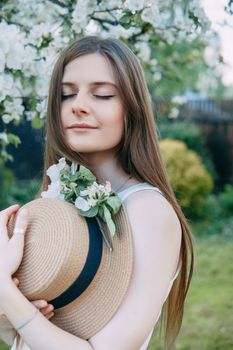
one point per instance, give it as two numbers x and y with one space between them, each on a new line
80 188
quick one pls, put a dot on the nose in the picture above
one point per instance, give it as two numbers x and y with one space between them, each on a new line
80 104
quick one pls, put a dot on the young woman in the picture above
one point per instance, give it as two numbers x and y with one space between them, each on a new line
100 115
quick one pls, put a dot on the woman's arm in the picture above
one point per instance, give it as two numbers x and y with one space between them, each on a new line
40 333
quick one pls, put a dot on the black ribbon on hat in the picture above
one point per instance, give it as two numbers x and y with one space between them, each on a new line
89 270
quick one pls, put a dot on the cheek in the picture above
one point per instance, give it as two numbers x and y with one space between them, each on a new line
113 120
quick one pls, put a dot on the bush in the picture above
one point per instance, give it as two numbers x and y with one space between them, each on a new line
23 191
187 132
191 135
19 192
217 215
7 180
226 201
189 178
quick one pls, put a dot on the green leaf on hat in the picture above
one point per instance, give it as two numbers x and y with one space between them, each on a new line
109 221
93 211
114 203
86 174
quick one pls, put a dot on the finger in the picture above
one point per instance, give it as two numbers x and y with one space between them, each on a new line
51 314
16 281
46 310
39 304
6 213
20 225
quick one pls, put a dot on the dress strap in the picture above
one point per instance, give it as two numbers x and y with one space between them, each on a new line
137 187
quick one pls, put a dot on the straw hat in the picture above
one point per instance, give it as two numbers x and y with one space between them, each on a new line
67 262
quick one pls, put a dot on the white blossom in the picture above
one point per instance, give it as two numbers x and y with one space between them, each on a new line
38 33
144 51
14 109
151 14
41 109
2 60
7 118
54 170
135 5
92 201
180 100
157 76
80 14
82 204
29 61
108 187
54 191
30 115
174 113
4 137
12 45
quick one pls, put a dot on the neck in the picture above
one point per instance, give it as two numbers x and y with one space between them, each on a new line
106 168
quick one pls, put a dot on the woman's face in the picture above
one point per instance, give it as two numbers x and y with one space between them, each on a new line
90 96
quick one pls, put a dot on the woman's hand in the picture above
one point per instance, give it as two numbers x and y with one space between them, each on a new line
45 308
11 250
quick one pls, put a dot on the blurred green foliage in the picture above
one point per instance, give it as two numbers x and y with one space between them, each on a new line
189 178
15 191
7 180
226 201
217 214
191 135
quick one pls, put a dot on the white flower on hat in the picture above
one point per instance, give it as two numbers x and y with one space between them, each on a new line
92 201
79 187
54 191
54 170
82 204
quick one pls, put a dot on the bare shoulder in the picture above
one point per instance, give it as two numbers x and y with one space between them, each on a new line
151 213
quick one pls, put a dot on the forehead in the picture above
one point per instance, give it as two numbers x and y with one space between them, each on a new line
88 68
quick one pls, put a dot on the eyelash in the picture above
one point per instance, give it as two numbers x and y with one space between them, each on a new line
107 97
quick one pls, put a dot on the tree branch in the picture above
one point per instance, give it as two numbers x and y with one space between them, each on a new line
58 3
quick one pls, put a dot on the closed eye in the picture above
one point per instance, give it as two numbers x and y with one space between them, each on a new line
64 97
104 97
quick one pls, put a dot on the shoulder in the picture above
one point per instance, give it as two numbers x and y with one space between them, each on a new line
153 218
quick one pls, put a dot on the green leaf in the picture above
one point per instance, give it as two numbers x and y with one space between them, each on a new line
86 174
89 213
109 221
37 123
114 203
13 139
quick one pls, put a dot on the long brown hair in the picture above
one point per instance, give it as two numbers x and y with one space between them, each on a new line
138 152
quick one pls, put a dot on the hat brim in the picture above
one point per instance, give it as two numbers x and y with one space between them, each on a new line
56 248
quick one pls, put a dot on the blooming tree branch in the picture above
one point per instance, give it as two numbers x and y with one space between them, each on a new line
32 33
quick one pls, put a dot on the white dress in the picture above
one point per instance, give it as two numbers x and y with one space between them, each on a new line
9 335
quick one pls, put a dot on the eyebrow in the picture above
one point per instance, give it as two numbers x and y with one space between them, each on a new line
95 83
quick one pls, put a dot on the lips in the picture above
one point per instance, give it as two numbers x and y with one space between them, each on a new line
81 126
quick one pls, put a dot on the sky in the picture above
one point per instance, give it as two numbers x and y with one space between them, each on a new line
215 11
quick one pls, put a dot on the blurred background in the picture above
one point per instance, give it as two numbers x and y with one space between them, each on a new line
186 51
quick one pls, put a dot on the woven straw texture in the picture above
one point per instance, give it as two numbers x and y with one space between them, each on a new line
56 247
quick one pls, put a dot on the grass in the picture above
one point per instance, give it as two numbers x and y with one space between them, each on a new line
208 319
